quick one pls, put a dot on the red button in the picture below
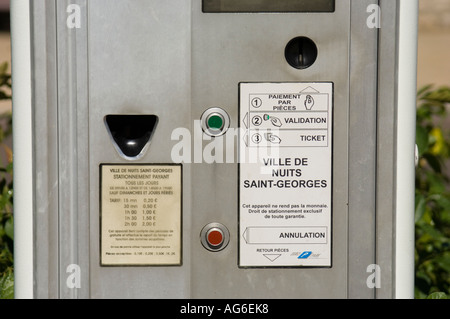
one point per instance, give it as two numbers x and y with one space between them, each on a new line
215 237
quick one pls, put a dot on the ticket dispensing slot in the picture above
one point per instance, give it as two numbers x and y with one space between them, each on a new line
131 134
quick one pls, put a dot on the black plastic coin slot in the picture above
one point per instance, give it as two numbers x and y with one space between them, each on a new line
301 52
131 133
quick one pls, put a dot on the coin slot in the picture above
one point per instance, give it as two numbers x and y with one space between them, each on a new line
301 52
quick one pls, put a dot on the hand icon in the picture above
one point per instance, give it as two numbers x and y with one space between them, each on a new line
309 102
272 138
276 121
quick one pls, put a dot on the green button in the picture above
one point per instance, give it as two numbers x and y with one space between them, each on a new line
215 122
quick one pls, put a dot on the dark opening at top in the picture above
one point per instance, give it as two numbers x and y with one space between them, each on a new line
230 6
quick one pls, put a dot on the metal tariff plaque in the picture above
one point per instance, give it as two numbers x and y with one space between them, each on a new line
140 215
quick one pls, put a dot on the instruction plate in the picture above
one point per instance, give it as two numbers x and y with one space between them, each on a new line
285 174
140 214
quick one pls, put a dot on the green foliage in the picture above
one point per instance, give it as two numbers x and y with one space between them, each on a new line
7 285
432 214
6 194
5 82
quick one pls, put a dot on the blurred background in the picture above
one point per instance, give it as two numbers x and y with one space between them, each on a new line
434 43
5 45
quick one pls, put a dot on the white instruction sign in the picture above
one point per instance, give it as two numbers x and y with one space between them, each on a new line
140 215
285 174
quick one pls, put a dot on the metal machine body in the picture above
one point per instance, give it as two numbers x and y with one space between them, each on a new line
202 67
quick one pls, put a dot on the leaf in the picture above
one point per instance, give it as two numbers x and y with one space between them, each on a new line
9 228
424 90
439 143
7 285
421 139
9 168
437 183
420 207
437 295
441 95
3 67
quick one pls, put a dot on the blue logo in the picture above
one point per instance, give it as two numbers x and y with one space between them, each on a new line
305 255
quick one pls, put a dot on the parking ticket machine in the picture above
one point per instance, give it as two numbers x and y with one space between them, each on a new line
214 148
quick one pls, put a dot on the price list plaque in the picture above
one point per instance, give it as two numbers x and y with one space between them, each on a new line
140 215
